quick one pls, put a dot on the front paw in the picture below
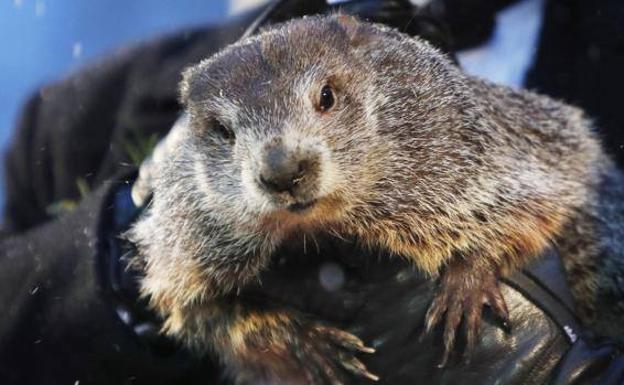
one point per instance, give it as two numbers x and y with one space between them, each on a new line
310 354
462 293
326 353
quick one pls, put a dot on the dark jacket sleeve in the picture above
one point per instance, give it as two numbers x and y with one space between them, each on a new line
59 324
579 59
61 137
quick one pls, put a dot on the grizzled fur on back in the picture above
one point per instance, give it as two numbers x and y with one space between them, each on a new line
415 156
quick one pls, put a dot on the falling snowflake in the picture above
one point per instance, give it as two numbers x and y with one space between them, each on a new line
40 8
77 50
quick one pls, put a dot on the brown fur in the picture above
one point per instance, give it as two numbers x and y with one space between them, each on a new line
466 179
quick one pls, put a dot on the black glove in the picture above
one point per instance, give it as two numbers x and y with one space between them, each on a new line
400 14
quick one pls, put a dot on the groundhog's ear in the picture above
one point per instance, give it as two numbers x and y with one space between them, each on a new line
186 87
358 32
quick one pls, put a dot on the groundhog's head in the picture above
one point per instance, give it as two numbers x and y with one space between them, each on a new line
320 118
321 123
329 123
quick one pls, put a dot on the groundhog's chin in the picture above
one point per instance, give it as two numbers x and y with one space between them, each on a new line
301 207
303 216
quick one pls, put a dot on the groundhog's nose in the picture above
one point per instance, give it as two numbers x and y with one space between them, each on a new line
284 171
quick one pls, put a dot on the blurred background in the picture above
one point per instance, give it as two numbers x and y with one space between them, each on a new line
44 40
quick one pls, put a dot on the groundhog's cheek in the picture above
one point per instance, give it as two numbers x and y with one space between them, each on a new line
250 195
330 177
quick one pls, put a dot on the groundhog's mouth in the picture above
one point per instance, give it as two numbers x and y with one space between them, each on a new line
301 214
299 207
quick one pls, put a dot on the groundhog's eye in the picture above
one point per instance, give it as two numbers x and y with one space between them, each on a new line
223 131
327 99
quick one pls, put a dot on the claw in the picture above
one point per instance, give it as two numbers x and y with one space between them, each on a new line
345 339
366 349
435 312
453 318
357 367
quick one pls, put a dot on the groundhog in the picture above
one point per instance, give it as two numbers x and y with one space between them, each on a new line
331 125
